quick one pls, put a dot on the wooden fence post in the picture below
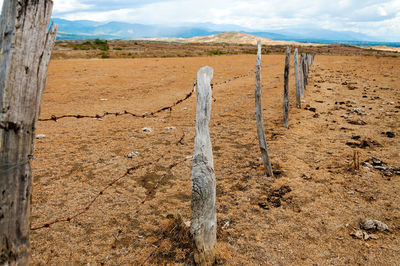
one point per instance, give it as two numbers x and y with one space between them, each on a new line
25 47
296 74
260 125
204 218
301 76
286 89
305 70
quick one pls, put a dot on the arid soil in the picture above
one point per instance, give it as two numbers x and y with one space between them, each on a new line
305 215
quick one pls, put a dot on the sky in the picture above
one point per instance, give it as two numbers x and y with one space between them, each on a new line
377 18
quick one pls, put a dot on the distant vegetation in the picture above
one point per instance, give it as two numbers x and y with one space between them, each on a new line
97 44
143 48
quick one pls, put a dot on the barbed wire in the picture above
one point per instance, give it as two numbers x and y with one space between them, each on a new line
11 166
132 169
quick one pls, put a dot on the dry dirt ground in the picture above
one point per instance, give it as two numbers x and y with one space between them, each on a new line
303 216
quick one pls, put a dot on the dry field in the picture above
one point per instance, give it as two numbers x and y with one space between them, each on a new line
303 216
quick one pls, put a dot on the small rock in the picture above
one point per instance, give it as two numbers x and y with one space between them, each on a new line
369 224
40 136
184 108
187 224
147 129
226 225
363 235
133 154
103 100
170 128
306 177
357 234
389 134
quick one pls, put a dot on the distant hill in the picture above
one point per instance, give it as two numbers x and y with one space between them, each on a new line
228 37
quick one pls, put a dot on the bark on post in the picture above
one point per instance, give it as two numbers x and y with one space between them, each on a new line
204 218
309 58
296 74
25 50
301 76
286 90
305 69
260 125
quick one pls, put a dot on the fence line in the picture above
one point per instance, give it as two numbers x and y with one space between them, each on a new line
170 166
128 171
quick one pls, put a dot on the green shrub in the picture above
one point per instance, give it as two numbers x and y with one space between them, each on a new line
105 55
215 52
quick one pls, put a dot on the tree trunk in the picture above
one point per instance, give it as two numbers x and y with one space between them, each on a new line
296 74
204 217
286 90
25 50
260 124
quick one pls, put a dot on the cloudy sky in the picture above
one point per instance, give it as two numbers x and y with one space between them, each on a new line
378 18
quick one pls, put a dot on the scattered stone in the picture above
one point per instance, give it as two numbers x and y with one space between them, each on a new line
357 122
226 225
362 143
170 128
103 100
363 235
147 129
389 134
40 136
133 154
312 109
369 224
187 224
184 108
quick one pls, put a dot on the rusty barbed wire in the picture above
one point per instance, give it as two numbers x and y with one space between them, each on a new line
132 169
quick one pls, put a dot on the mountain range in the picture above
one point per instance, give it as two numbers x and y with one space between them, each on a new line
84 29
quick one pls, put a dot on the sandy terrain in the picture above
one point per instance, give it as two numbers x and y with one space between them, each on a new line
303 216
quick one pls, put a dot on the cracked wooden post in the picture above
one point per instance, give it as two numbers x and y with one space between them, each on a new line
260 125
203 218
296 74
25 50
286 90
305 70
301 76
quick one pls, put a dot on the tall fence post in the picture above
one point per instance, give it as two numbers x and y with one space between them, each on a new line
296 74
305 70
286 90
260 125
301 76
25 47
203 218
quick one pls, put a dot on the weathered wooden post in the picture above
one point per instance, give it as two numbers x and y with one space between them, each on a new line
309 58
25 50
204 218
286 89
296 74
301 76
305 70
260 125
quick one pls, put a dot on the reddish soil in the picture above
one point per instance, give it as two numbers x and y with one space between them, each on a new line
303 216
